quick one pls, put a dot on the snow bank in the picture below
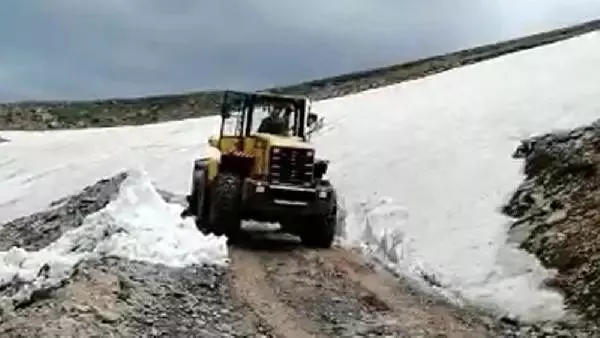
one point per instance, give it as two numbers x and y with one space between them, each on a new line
138 225
425 165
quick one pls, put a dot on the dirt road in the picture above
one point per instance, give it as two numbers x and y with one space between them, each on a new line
291 291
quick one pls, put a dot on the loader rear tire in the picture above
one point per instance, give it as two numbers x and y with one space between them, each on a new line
224 210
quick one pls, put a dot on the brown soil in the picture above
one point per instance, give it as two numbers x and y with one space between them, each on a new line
299 292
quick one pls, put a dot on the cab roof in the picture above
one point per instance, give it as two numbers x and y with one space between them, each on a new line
239 97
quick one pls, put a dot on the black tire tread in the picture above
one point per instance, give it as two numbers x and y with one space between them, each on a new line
224 213
319 232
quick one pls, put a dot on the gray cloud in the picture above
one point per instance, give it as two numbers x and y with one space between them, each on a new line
86 49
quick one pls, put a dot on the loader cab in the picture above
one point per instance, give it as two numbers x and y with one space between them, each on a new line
242 114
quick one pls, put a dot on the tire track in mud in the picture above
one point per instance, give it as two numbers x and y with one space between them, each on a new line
249 283
300 292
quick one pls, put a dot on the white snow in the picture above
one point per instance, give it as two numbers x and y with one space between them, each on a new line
33 162
429 160
422 167
138 225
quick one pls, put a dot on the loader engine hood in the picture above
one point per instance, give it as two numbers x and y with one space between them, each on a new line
290 160
285 141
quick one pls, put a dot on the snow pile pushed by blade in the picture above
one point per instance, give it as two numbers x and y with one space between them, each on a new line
138 225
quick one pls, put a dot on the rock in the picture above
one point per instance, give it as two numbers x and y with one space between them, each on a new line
556 217
54 125
107 316
81 308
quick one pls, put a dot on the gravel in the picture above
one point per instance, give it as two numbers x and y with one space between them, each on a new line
193 301
115 297
111 296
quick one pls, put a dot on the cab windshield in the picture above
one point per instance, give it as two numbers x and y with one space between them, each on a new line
248 115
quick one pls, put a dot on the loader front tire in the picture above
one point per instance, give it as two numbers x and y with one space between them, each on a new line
224 210
318 232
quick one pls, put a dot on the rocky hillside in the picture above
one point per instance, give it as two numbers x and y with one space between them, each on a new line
112 112
557 211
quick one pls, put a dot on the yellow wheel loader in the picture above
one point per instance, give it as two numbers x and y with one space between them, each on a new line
262 167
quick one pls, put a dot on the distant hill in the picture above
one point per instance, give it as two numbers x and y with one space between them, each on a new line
42 115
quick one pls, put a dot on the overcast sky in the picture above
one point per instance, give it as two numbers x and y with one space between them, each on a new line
79 49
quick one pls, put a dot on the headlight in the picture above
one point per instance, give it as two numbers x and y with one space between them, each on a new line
260 189
322 194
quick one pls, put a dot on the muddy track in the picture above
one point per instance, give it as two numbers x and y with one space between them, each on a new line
291 291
